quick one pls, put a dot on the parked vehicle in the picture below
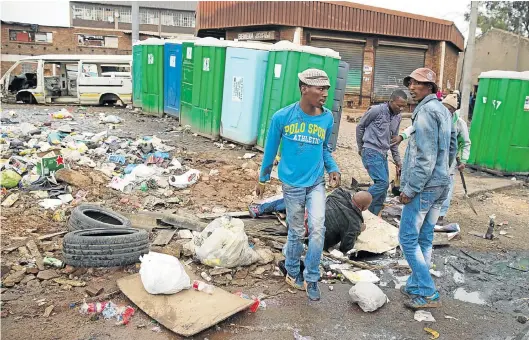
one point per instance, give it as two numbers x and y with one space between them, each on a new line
69 79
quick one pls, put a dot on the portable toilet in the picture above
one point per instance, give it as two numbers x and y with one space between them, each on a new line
244 78
186 97
208 84
339 94
172 77
285 61
152 76
136 74
500 123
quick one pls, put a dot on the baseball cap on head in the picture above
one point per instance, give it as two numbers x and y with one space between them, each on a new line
451 100
314 77
423 75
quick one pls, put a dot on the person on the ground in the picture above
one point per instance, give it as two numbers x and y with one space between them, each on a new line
373 135
303 129
343 218
424 185
463 148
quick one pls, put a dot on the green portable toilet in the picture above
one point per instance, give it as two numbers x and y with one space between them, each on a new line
281 89
152 76
186 96
500 124
208 84
136 74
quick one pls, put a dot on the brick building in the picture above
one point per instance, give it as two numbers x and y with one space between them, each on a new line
381 46
102 27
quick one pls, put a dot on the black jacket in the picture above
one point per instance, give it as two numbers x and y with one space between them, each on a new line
343 221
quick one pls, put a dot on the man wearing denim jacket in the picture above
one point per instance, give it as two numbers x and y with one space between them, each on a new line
303 129
424 185
373 135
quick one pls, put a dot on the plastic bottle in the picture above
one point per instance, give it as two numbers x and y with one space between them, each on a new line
51 261
201 286
93 307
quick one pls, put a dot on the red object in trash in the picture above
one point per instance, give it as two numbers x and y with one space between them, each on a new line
93 307
127 314
255 306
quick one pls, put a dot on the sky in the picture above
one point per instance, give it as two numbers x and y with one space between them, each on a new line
56 13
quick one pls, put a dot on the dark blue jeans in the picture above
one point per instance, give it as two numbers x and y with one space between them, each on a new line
376 165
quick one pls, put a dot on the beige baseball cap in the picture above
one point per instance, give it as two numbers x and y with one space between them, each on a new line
424 75
314 77
451 100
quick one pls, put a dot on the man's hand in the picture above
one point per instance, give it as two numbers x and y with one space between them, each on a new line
260 189
404 199
461 167
335 179
396 140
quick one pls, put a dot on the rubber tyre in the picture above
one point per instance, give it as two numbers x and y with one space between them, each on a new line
105 247
87 216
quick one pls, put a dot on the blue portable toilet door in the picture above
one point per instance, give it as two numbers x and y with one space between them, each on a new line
172 78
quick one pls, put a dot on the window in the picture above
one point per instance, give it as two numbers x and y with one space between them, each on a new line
29 36
93 12
125 15
176 18
149 16
97 41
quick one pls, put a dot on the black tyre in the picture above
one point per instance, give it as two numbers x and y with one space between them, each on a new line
87 216
105 247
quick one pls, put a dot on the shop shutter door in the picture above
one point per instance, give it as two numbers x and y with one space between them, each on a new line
351 53
392 64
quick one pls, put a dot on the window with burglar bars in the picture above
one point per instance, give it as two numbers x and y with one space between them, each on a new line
180 19
147 16
92 12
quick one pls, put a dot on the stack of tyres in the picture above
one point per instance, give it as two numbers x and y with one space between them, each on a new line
136 74
186 96
244 78
208 85
281 89
152 76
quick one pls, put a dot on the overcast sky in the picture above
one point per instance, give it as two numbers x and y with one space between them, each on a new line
56 13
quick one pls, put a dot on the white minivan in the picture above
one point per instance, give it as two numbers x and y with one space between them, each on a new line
69 79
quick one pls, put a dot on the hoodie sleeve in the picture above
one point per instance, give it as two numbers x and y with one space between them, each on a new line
465 141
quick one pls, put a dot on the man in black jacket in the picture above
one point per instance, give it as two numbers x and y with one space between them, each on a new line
343 218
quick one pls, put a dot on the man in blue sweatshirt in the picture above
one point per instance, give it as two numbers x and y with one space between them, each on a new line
304 129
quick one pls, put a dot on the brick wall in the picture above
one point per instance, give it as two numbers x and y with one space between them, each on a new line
450 67
64 41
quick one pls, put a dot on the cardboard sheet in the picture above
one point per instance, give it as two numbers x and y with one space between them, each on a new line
187 312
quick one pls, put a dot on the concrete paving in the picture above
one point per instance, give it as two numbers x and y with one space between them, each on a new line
479 183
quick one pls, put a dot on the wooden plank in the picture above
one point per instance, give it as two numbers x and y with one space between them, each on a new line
186 313
164 237
34 250
152 220
15 246
45 237
237 214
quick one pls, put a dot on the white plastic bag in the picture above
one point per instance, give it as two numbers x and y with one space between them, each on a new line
223 243
368 296
185 180
163 274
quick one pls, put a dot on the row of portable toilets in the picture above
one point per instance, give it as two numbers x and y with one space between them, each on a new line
229 89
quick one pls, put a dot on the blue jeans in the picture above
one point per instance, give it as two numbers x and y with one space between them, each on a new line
416 237
376 165
296 199
446 203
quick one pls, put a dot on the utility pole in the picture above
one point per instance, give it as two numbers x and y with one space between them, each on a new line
135 22
467 63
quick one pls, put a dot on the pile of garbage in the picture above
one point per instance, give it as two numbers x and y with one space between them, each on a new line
39 159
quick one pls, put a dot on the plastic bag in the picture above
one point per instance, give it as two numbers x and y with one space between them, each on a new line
9 178
185 180
224 243
163 274
368 296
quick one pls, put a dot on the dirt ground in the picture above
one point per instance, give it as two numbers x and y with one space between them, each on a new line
232 190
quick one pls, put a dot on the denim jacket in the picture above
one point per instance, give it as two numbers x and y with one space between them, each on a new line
431 149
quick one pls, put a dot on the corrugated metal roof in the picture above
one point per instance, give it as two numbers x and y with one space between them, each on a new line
174 5
337 16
